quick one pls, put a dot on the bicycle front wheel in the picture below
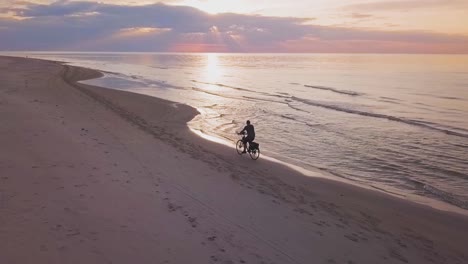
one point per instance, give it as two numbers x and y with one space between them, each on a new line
239 147
255 154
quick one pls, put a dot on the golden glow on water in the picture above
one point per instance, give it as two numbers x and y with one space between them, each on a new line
210 75
212 70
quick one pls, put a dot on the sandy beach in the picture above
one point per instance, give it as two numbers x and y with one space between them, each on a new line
94 175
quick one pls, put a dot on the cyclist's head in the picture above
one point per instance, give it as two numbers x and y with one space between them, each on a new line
248 122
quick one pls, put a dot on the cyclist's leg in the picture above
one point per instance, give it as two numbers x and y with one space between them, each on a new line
244 140
250 140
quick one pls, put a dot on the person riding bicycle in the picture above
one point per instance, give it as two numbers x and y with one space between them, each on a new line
250 135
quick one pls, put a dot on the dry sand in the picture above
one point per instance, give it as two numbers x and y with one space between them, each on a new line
93 175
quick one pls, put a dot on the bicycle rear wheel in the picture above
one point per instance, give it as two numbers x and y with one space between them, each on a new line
239 147
255 154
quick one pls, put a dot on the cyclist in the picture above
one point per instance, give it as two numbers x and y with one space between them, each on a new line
250 135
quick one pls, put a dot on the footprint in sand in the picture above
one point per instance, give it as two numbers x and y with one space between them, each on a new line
396 255
352 237
172 207
193 221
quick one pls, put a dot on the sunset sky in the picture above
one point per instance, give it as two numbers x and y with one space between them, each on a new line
387 26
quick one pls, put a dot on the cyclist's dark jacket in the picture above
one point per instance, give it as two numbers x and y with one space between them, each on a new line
250 131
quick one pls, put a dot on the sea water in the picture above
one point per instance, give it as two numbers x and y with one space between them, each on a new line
397 123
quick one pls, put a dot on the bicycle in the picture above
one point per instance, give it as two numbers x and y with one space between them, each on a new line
252 148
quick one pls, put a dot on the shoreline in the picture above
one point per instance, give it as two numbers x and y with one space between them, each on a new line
205 186
419 200
433 199
311 171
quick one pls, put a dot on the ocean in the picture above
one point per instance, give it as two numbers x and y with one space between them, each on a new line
396 123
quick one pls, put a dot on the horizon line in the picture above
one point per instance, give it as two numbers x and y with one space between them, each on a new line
232 52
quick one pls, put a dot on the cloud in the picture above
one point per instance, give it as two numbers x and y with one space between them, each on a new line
91 26
400 5
361 16
59 8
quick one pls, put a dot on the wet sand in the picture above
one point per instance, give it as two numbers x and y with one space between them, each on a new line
93 175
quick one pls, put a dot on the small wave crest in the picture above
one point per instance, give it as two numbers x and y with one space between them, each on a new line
288 117
451 98
223 85
297 108
389 100
223 95
441 195
333 90
278 95
382 116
